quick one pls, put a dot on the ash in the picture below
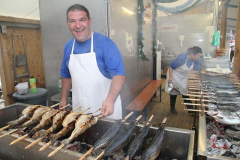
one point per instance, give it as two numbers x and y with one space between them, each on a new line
221 141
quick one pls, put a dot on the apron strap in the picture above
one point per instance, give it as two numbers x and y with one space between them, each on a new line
73 46
92 43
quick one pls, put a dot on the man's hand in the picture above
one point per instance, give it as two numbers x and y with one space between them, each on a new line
62 104
169 80
107 108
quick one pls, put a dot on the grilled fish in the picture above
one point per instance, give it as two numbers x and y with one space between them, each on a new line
70 118
68 125
121 139
36 116
26 114
81 127
108 136
57 122
155 147
137 143
66 130
46 120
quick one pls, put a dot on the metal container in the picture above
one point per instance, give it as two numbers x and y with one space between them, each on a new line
202 142
178 143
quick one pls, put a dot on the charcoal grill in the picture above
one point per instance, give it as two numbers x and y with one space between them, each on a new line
178 143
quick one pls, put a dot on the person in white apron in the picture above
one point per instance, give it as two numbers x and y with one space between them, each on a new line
177 75
90 88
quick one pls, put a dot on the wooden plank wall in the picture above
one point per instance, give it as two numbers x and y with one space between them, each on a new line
33 45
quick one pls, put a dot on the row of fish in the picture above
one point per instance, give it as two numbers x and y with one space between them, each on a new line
76 123
46 116
222 94
117 137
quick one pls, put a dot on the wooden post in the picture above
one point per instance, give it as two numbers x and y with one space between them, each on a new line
223 26
236 68
5 72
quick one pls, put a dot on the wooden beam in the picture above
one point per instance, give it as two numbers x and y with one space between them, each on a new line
223 26
5 72
236 68
18 20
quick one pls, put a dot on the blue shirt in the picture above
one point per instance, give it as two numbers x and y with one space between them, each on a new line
108 57
181 60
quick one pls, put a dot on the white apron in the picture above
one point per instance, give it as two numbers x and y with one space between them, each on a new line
179 79
89 87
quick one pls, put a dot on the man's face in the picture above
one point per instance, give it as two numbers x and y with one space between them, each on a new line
196 56
79 25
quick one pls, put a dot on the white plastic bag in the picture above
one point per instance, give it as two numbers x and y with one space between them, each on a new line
22 88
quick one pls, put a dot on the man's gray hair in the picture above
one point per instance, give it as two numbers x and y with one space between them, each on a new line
78 7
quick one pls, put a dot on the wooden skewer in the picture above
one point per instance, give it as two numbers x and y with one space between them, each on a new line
92 148
194 104
124 119
1 129
55 105
164 120
97 110
45 146
19 139
65 106
196 95
100 155
150 119
76 108
56 150
199 93
35 142
195 110
5 134
192 99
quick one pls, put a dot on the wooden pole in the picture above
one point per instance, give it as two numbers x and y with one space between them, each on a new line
236 68
5 73
223 26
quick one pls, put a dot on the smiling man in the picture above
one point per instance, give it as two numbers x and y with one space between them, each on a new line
92 66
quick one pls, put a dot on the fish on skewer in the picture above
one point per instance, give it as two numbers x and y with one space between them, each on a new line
46 120
58 119
26 114
155 147
77 131
137 143
107 137
36 116
68 126
34 119
56 124
120 140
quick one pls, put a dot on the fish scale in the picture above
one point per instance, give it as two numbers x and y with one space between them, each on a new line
154 149
120 139
108 136
137 143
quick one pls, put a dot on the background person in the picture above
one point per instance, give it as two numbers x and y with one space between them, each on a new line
177 75
92 66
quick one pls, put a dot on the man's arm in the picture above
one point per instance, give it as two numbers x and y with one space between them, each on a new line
66 86
170 75
115 89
